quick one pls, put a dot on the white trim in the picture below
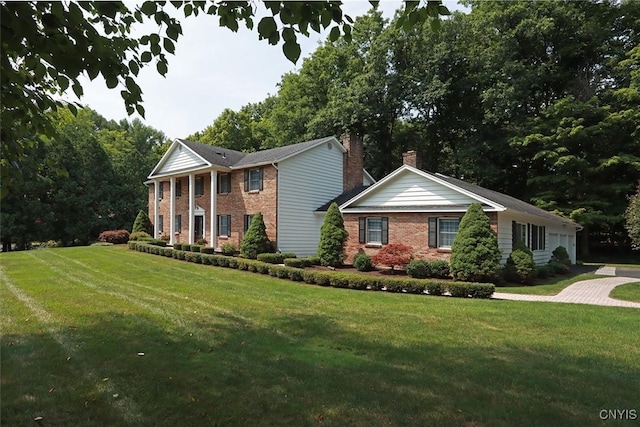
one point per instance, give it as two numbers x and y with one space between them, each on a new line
172 210
495 206
214 196
368 176
156 207
191 203
170 151
416 210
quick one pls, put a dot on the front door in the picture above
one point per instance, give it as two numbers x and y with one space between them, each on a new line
199 228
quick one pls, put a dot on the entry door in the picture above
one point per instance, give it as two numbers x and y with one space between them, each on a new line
199 228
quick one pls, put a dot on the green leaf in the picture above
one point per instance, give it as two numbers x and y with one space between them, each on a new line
77 89
288 35
168 45
112 81
146 56
140 109
266 27
133 66
173 31
443 10
291 51
148 8
334 34
188 9
63 82
162 67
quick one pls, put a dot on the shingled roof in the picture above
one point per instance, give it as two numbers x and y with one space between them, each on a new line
236 159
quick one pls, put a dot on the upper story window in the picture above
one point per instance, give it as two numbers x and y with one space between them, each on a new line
199 190
161 190
253 180
178 188
224 183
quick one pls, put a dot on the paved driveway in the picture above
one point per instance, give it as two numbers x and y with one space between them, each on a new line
628 272
594 292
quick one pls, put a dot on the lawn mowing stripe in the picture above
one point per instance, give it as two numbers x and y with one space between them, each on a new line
178 304
125 405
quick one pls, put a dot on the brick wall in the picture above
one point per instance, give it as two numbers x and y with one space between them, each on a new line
237 203
353 162
411 229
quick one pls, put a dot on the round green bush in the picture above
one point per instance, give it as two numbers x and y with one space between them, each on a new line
520 265
419 269
362 262
439 269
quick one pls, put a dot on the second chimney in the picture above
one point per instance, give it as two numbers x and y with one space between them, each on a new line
412 158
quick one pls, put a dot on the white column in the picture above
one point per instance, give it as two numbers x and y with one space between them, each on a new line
191 206
156 208
172 210
213 223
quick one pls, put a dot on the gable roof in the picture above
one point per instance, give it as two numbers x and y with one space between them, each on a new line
491 200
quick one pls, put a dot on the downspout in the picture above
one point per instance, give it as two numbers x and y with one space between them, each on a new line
277 201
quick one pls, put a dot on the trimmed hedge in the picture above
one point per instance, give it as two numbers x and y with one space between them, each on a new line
324 278
277 258
177 246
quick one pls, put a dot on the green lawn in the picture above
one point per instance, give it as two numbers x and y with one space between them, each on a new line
627 292
553 286
225 347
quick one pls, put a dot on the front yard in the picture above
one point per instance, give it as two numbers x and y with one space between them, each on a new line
107 336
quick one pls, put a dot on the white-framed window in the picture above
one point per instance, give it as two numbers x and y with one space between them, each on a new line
178 188
520 234
224 225
447 231
161 190
160 224
247 222
253 179
374 230
178 224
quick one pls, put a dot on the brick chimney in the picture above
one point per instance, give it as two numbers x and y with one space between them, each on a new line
412 158
353 162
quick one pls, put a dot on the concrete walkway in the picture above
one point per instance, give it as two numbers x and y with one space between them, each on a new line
594 292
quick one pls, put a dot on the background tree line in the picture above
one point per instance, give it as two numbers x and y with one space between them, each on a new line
89 179
539 100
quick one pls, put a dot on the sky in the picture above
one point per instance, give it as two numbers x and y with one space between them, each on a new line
213 68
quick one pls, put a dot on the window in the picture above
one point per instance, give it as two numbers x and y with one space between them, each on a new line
447 230
178 224
199 186
519 233
224 183
374 230
442 232
253 180
160 224
224 225
178 188
161 190
537 237
247 222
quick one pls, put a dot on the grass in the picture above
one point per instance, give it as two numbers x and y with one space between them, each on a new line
627 292
224 347
552 287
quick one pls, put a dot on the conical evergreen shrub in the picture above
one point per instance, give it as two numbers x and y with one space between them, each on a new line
255 241
475 255
142 223
332 238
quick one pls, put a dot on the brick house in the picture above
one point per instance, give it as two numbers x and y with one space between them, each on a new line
423 210
199 191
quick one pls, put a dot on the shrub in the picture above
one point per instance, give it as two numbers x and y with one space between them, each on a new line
414 286
177 246
232 262
480 290
296 262
419 269
142 223
201 242
439 269
271 258
186 247
339 280
193 257
393 255
458 290
435 288
140 235
544 271
255 240
195 248
207 250
314 260
360 282
229 249
520 265
295 274
114 236
332 238
558 267
362 262
156 242
561 255
475 255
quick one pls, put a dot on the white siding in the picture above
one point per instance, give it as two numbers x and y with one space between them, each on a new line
556 234
410 189
180 159
306 182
